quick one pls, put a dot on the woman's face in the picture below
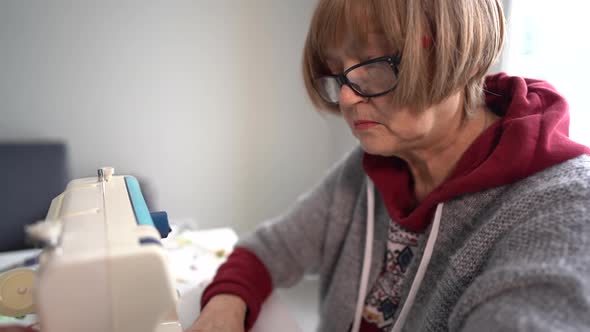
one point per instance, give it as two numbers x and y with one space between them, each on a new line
380 127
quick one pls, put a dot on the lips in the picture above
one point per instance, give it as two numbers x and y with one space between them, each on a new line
364 124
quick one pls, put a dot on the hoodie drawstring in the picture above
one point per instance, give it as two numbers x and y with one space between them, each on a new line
403 315
367 263
360 303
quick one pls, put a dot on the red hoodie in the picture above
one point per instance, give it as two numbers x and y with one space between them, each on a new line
531 136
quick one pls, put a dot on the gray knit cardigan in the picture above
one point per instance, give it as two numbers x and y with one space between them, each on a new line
512 258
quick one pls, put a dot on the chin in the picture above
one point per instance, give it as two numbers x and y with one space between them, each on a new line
378 148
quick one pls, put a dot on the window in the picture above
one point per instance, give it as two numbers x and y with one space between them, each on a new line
550 40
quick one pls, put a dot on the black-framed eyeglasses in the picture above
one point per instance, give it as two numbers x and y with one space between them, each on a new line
371 78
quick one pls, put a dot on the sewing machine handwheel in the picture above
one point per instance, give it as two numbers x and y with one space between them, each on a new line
16 292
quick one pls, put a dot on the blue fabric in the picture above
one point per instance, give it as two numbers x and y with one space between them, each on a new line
144 241
142 213
160 219
32 175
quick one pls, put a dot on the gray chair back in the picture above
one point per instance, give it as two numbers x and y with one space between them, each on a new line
32 175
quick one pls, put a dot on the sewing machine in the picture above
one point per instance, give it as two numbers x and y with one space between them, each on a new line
102 269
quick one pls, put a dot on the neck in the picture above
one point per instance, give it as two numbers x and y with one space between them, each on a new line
431 166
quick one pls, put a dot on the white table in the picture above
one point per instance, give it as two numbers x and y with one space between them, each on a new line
274 315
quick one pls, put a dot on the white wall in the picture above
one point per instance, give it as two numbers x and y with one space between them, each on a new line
201 99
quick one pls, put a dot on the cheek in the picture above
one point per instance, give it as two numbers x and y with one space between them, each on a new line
347 115
406 124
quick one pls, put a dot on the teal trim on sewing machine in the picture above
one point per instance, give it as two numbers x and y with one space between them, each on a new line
142 213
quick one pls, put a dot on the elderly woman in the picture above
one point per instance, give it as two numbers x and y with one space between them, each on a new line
466 207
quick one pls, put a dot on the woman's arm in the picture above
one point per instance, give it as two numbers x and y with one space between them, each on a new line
538 276
282 250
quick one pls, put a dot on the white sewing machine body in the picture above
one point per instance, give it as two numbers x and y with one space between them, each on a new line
106 271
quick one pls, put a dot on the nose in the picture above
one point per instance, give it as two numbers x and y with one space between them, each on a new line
349 97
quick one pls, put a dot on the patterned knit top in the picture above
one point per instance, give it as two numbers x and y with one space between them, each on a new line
383 300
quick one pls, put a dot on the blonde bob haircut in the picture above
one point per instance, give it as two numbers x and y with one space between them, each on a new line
445 45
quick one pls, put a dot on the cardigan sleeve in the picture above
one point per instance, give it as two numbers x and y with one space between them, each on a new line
280 251
537 278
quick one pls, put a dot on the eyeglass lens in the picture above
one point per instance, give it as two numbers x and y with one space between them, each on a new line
366 80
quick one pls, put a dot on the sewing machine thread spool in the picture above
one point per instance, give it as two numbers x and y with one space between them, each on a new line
105 173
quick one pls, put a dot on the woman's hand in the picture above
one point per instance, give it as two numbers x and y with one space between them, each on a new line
223 313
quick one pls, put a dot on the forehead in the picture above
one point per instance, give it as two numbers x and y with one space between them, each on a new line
374 43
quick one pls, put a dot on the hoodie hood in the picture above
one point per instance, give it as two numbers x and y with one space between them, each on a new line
532 135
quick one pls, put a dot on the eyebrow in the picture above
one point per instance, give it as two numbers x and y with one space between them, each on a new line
363 55
360 49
